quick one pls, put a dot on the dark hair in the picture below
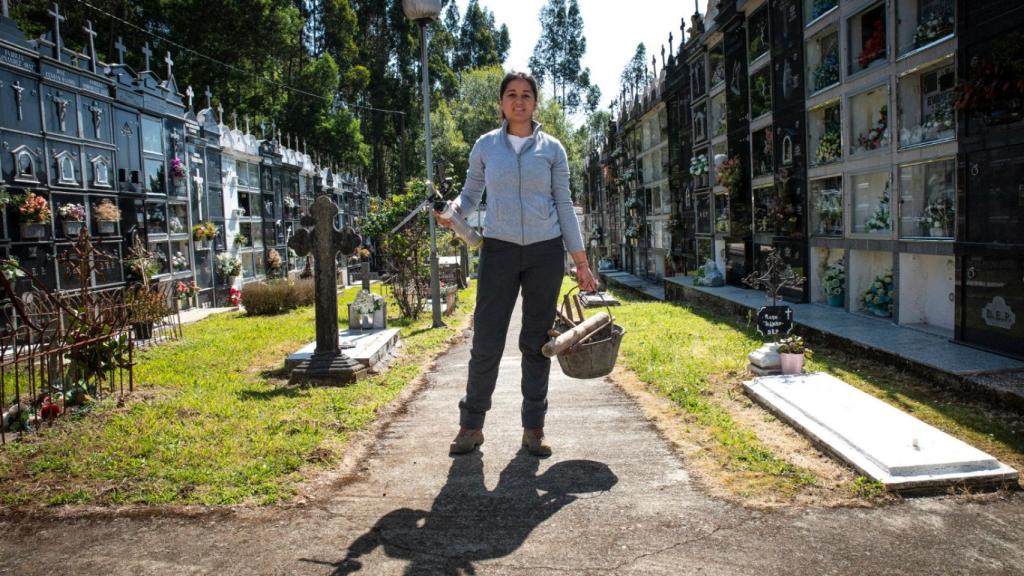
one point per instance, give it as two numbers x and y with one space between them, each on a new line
517 76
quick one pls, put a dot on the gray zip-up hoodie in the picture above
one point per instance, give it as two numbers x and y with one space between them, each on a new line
528 197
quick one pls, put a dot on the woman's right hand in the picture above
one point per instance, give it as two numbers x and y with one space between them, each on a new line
441 220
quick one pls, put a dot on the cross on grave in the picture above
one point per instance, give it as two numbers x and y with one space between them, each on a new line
18 89
220 115
198 179
92 44
120 47
6 10
58 45
670 49
148 52
324 242
190 93
234 119
209 97
170 64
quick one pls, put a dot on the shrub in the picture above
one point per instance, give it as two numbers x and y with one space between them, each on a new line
276 296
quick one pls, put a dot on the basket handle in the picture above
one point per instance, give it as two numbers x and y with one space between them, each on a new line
577 300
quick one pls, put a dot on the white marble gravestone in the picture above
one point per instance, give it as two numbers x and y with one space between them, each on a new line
877 439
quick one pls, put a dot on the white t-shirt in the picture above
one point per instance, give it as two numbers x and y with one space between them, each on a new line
517 142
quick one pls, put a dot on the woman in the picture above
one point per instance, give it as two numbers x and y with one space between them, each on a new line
529 218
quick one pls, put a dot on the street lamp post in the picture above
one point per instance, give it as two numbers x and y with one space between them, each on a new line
425 12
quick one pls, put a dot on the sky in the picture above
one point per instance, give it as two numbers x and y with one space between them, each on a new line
612 28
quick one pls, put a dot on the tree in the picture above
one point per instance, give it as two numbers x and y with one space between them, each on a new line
479 44
557 54
448 145
635 74
476 109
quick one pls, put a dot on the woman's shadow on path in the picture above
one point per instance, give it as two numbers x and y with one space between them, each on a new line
468 523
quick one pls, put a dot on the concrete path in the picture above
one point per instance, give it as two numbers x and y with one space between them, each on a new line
614 499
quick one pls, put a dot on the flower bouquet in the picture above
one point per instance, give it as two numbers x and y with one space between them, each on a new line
107 215
878 135
877 299
228 265
289 202
828 206
72 217
730 174
827 73
833 283
235 296
204 231
934 26
177 168
882 217
241 240
699 165
34 212
179 261
874 46
938 216
830 145
365 304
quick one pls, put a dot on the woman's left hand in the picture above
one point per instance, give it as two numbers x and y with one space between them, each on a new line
585 278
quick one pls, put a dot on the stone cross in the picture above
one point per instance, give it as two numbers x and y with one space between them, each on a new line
92 44
6 10
119 46
220 115
58 44
670 49
209 96
189 93
148 52
170 64
324 242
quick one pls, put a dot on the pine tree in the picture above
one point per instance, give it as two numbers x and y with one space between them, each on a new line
478 42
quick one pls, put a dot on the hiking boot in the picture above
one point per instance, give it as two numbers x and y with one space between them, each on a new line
533 441
466 441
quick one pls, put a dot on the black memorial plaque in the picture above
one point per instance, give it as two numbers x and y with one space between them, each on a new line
774 320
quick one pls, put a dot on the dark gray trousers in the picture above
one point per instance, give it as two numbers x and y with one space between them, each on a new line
505 268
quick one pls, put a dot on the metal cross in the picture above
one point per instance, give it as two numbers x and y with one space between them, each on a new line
57 19
97 116
149 54
18 89
777 275
190 93
62 109
324 242
92 44
120 47
170 64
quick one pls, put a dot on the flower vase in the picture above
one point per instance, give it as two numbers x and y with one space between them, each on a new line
835 300
791 363
106 227
33 230
72 227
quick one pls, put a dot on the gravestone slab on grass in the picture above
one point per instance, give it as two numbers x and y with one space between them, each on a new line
366 347
765 361
877 439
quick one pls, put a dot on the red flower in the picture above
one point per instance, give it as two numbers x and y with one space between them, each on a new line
236 296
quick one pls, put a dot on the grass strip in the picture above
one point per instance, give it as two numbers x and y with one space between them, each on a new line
213 421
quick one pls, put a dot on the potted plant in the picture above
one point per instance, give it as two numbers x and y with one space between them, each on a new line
877 299
792 352
72 218
241 240
204 232
34 212
186 292
833 282
107 215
